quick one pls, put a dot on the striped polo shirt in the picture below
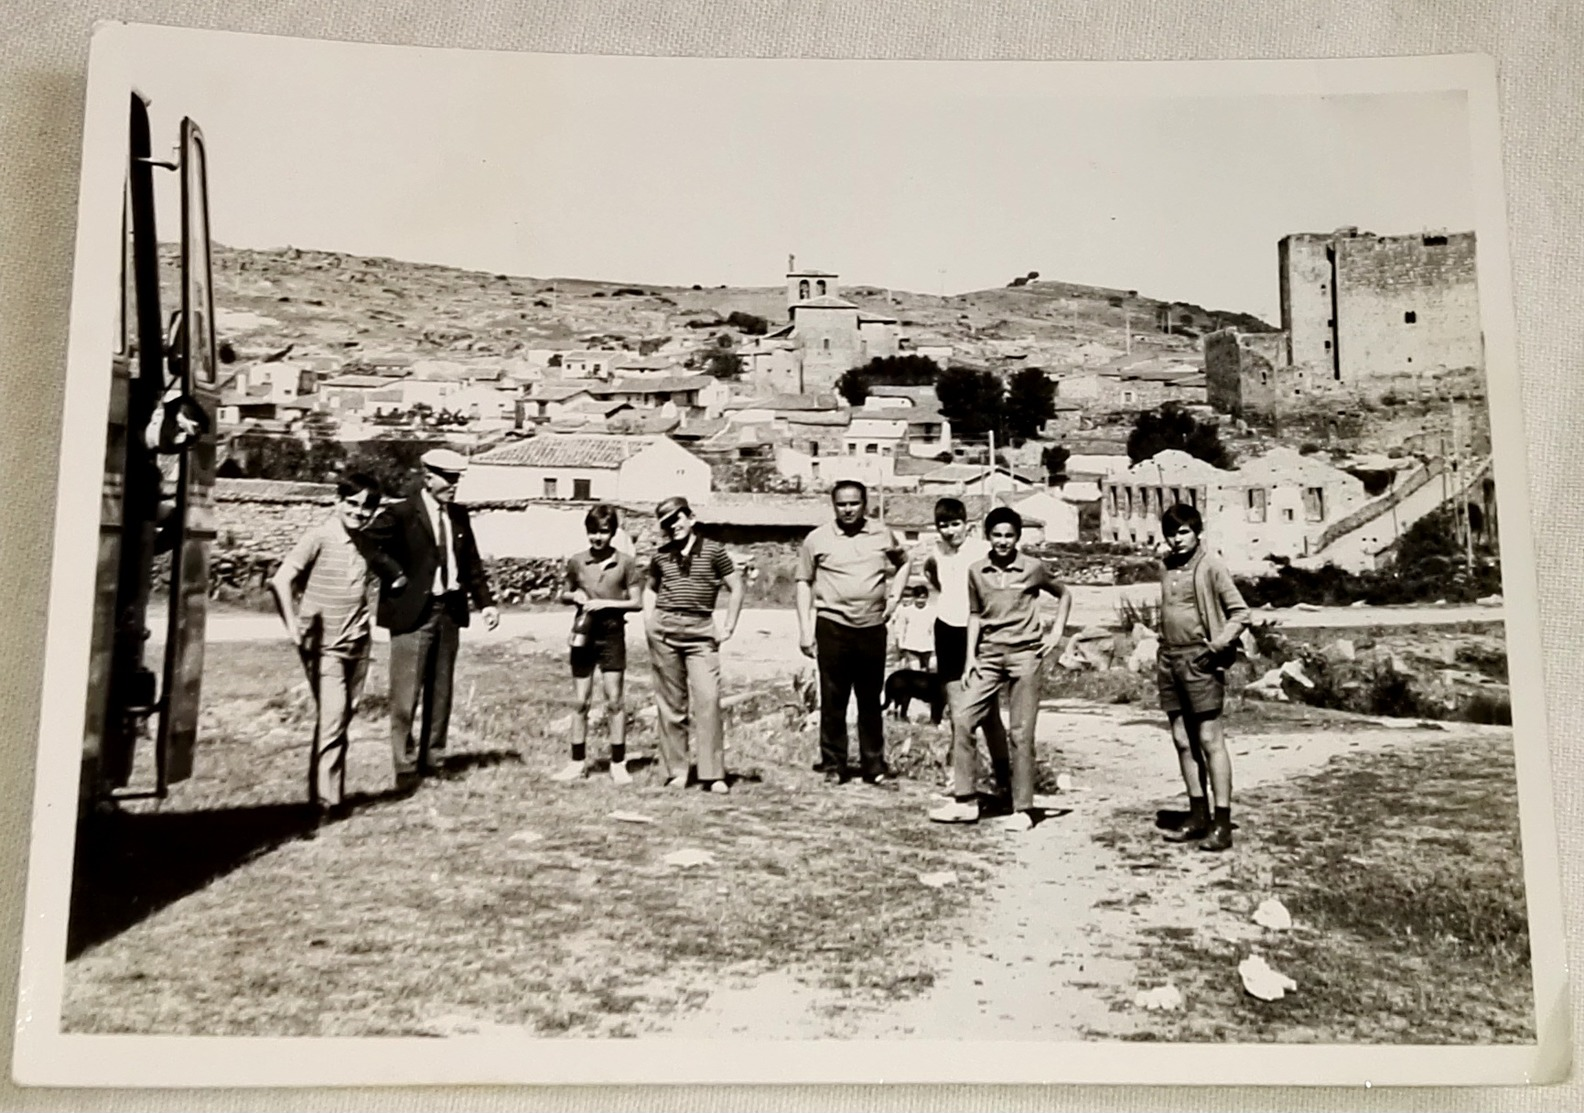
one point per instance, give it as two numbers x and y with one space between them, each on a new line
688 581
336 595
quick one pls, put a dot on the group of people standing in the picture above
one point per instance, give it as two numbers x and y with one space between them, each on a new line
990 642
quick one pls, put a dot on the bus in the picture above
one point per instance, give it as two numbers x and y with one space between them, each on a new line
156 515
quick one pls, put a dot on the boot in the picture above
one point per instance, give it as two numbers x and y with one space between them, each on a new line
1197 825
1220 836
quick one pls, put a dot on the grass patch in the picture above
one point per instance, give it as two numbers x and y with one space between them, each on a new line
1403 872
216 913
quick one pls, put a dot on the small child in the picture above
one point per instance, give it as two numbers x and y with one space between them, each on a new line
322 590
604 585
915 629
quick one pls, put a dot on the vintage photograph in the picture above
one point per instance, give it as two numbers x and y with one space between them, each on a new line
595 556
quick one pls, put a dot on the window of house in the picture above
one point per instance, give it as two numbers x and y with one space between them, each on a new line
582 490
550 489
813 448
803 290
1128 396
1328 345
871 450
1287 514
1176 495
1314 504
1111 501
1410 317
820 286
1255 503
825 343
852 449
1264 378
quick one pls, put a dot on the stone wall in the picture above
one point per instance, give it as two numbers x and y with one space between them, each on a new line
1361 308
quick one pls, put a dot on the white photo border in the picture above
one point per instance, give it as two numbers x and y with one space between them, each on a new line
44 1056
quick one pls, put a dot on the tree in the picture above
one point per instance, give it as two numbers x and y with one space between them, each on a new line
1171 426
1030 403
721 363
750 324
973 401
909 369
852 386
1054 457
326 455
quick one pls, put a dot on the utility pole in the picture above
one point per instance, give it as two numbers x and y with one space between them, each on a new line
990 471
1462 501
1127 328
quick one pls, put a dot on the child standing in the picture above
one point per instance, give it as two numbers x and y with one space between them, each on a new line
604 585
1005 648
1202 616
334 568
915 630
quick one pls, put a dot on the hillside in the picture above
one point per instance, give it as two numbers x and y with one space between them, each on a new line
344 306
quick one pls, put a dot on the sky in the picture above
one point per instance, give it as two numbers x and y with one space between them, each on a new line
931 177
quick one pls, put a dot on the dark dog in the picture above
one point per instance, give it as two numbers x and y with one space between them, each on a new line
906 685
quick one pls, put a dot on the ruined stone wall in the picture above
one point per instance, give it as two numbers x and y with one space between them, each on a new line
1407 305
1246 374
1304 274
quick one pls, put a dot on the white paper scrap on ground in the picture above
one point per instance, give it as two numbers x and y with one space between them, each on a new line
1162 998
632 817
1273 914
1263 982
689 856
939 880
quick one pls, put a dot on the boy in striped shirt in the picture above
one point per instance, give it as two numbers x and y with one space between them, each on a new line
322 589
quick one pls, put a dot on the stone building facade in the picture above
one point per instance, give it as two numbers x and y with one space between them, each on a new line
1359 308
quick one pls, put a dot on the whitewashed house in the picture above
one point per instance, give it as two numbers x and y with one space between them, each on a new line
585 468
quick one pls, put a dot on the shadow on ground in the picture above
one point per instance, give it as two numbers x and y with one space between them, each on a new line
130 865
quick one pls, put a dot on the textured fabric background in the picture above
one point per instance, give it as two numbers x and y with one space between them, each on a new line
1537 45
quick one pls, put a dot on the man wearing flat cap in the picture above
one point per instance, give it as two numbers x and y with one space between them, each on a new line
685 578
431 540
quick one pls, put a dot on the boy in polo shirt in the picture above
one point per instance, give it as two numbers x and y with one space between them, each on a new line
1202 616
1005 647
322 590
945 570
604 585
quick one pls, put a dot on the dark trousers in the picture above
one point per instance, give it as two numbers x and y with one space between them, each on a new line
421 664
851 663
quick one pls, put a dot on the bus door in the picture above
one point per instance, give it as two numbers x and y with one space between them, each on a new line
190 405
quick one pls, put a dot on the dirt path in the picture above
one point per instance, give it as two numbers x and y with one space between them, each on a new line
1052 952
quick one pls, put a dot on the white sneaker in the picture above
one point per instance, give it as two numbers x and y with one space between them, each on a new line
619 773
571 771
1017 821
677 782
720 788
955 812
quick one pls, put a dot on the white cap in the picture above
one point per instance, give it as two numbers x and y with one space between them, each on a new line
444 459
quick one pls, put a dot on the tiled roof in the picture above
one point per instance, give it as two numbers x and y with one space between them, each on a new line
668 385
563 451
355 380
786 402
825 301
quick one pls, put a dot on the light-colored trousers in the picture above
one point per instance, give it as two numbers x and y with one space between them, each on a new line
1019 670
686 661
338 685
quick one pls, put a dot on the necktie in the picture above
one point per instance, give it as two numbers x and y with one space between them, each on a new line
444 540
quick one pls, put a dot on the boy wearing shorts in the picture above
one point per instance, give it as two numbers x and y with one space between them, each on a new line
1202 616
604 585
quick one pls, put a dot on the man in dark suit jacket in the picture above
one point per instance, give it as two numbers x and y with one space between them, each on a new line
431 539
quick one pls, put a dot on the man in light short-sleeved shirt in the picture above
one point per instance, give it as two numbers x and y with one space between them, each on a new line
847 590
